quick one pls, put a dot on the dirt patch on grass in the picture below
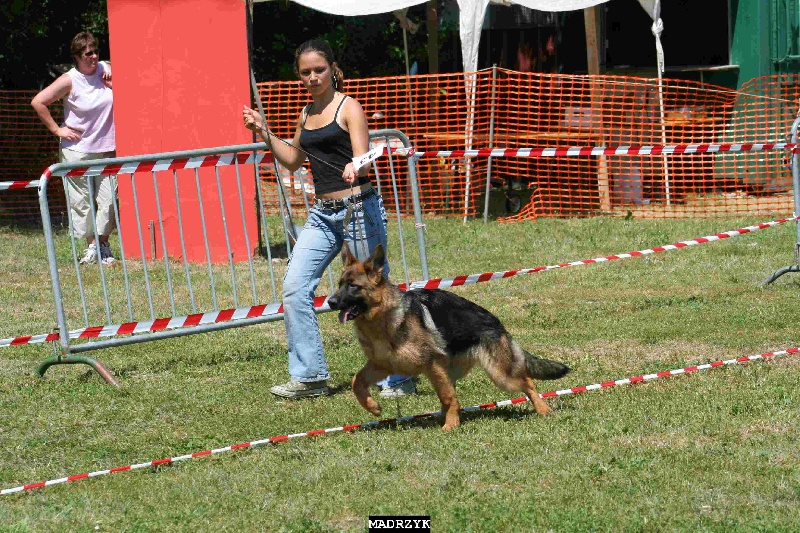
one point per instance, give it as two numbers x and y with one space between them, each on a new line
347 521
628 354
791 360
660 440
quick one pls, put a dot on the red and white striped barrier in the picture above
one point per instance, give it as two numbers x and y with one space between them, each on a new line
16 185
353 427
161 324
178 163
321 302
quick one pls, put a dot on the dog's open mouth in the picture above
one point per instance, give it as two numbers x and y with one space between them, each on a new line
348 314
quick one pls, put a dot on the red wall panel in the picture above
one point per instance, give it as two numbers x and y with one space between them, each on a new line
181 76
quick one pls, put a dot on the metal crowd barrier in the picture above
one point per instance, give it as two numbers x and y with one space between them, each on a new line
153 291
795 166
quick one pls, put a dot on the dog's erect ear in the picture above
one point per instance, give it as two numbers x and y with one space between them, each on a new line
376 260
347 256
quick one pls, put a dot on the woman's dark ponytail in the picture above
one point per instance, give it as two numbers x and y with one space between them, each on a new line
338 77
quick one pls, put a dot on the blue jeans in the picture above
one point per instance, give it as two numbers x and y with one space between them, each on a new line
317 246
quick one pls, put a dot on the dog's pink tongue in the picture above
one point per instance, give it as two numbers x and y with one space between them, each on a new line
344 316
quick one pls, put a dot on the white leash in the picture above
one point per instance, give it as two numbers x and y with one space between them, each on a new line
347 217
359 162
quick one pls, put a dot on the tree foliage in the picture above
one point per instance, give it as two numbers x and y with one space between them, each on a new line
34 46
36 34
365 46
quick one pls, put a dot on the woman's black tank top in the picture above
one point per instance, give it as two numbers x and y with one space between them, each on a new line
332 144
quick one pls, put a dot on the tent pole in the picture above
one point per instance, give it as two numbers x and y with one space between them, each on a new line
491 145
657 28
405 49
408 78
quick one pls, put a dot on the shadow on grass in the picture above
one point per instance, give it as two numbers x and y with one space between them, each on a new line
276 251
507 413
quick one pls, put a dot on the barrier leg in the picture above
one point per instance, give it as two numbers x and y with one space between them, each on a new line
796 190
68 359
785 270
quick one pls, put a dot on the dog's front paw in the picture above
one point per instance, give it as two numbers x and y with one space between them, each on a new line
451 421
373 407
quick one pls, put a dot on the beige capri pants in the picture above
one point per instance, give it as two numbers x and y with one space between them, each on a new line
105 193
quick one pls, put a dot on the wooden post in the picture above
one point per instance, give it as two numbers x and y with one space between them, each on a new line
433 38
591 16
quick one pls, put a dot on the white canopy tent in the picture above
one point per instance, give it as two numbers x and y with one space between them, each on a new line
472 13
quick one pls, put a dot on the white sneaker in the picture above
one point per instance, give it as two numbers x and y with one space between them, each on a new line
403 389
89 255
105 254
296 389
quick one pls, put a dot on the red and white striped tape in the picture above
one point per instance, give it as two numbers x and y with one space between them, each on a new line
489 276
321 302
574 151
353 427
16 185
571 151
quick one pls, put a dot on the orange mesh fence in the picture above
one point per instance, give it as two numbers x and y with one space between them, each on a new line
27 148
423 107
510 109
517 110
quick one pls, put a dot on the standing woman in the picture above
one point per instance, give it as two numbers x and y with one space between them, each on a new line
332 128
87 133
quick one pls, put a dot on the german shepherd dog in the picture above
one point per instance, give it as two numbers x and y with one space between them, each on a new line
431 332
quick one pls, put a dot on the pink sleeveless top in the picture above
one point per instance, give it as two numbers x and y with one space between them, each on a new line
89 107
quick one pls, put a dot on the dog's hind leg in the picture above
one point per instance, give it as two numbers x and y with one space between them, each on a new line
446 391
530 389
506 366
369 375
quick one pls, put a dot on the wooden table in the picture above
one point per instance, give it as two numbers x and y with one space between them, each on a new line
574 137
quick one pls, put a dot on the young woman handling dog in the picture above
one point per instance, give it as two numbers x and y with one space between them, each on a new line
333 129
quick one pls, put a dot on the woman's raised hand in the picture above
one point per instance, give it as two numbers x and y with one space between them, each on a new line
252 120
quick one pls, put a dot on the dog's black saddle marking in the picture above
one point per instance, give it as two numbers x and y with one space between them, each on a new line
461 323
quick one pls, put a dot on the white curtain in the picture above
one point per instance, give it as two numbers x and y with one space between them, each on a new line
472 13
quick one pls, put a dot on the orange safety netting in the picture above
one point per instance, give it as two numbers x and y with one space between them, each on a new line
515 110
27 148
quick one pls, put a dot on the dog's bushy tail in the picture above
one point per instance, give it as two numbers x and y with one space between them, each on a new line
540 368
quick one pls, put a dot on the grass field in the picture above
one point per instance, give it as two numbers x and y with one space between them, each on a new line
715 450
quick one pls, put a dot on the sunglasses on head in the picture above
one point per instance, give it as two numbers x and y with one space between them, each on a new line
90 53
